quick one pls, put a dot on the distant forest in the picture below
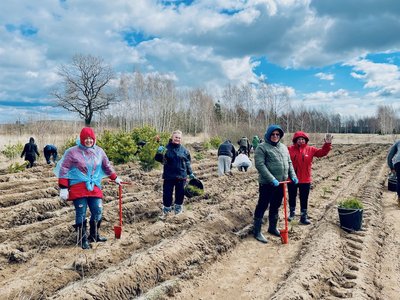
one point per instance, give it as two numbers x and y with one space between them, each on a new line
154 100
247 109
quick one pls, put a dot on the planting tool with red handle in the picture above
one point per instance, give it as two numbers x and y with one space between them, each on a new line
118 228
285 232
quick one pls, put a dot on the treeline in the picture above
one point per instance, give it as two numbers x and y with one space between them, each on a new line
154 100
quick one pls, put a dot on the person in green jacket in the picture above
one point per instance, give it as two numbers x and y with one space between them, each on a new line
255 142
273 163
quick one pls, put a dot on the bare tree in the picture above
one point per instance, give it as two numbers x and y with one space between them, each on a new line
85 83
386 119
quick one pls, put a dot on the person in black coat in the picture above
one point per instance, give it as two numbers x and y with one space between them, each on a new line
177 167
50 151
30 151
244 146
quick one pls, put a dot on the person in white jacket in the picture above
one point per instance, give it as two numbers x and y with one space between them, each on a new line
242 162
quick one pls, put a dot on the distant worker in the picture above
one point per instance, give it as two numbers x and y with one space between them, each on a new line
242 162
226 156
255 142
244 145
302 156
393 161
50 151
30 151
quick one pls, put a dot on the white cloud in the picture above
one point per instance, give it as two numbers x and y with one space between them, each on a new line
383 77
197 44
325 76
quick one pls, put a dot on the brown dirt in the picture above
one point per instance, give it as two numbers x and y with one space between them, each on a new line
207 252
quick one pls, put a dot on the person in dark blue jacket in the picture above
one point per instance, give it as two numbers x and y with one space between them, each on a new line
226 156
50 151
177 167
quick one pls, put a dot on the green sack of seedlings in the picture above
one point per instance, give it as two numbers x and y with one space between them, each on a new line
194 188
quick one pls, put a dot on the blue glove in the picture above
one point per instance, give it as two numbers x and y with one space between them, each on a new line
160 149
192 176
295 180
275 182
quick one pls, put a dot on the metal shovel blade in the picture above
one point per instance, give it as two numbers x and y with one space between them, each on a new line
117 231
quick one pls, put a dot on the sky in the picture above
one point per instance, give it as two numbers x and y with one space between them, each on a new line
342 56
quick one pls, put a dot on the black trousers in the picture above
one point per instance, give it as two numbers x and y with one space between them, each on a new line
30 160
168 189
397 169
304 191
269 196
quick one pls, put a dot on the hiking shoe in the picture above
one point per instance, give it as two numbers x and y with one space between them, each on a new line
165 212
291 216
178 209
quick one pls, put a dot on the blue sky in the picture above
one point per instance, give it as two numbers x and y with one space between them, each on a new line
342 56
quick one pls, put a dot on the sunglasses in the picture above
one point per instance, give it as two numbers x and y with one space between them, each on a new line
275 134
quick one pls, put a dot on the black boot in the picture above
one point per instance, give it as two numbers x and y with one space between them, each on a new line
292 214
94 232
81 236
304 218
257 231
273 221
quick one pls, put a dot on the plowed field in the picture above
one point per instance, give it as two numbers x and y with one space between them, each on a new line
207 252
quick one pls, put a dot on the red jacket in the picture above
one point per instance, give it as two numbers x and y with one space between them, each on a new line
302 156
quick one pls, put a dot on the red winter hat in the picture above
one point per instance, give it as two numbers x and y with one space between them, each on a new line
87 132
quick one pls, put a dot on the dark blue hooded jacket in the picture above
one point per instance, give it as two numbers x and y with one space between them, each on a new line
176 162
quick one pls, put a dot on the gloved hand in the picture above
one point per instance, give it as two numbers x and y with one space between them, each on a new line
160 149
64 194
275 182
328 138
295 180
192 176
118 181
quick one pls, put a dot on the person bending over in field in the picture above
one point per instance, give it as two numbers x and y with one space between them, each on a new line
226 156
50 151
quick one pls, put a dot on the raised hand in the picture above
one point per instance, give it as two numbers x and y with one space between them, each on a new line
328 138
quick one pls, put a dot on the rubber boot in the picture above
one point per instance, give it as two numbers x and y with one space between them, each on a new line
292 214
81 236
304 218
257 231
178 208
273 221
94 235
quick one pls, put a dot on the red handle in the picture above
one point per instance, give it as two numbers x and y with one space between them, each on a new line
120 204
284 203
